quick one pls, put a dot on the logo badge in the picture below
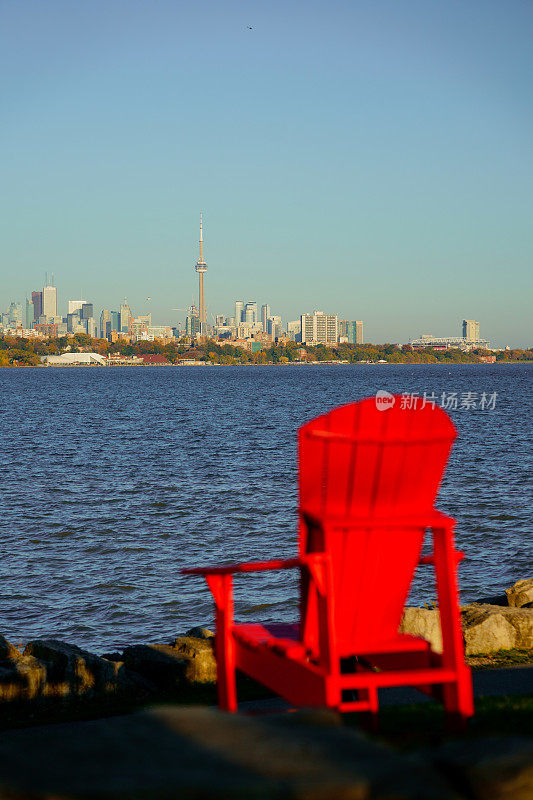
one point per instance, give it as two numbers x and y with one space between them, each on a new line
384 400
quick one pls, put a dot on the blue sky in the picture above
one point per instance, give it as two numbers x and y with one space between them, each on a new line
370 159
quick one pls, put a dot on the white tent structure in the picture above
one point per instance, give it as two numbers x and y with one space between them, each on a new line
75 359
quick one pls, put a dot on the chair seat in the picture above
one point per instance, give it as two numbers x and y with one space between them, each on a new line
284 639
279 637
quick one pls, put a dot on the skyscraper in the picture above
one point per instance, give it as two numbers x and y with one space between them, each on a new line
37 300
250 313
74 305
239 311
29 318
125 315
471 330
105 323
201 269
265 313
49 301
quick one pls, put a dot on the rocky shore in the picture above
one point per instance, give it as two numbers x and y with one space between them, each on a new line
186 750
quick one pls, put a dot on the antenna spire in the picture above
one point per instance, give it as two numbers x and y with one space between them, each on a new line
201 238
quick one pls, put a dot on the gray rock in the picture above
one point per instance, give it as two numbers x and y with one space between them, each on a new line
496 768
70 669
520 593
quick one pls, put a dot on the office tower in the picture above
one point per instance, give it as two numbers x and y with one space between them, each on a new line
294 330
37 300
86 311
105 323
49 309
265 313
250 313
220 319
14 314
319 327
471 330
115 320
274 327
201 269
192 322
239 312
125 315
351 331
29 317
74 305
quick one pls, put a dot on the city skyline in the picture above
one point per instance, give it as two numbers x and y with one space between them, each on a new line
370 161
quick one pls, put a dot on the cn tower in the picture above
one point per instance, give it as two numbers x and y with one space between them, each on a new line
201 269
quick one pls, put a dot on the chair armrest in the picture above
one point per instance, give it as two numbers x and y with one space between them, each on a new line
253 566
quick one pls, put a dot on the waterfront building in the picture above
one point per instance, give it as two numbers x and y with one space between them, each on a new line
265 313
471 330
49 309
125 316
319 328
201 269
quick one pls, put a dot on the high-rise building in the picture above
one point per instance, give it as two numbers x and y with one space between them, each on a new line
239 312
250 313
471 330
351 332
294 330
37 300
265 313
125 316
274 327
192 322
115 320
105 323
74 305
49 302
319 328
29 318
201 269
86 311
14 313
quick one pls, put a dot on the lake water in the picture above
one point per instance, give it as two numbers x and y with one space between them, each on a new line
113 479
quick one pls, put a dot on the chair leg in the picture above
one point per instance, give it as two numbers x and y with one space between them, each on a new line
222 589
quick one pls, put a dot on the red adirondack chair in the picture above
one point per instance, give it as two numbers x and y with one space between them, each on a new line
368 482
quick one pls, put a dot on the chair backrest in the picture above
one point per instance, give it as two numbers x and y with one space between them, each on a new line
363 470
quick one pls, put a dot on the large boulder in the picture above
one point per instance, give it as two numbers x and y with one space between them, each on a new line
71 670
488 629
201 665
423 622
521 593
